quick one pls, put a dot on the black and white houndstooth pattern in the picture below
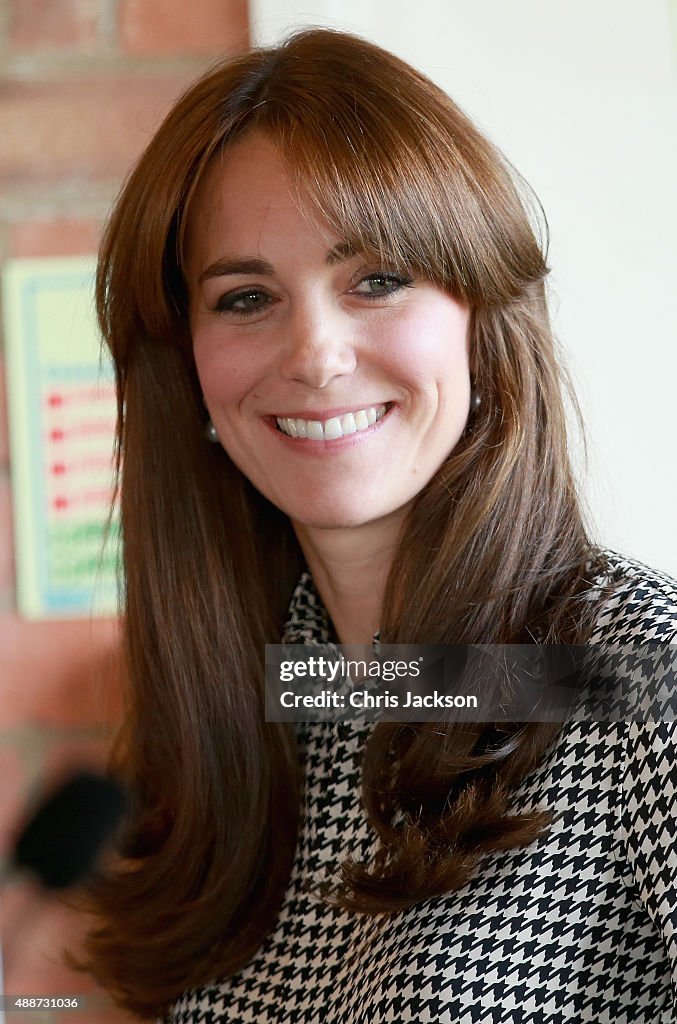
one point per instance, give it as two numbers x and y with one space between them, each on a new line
580 926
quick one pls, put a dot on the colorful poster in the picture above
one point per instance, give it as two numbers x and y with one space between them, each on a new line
61 401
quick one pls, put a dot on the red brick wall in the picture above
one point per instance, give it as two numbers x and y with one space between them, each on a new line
85 83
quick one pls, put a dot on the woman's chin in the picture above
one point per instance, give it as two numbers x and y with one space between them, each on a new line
341 516
330 519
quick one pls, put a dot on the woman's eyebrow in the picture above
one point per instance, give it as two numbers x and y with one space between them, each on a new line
341 252
255 265
226 265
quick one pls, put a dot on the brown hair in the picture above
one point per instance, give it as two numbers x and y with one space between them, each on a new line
496 548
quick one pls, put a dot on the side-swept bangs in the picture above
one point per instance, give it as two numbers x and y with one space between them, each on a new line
389 162
377 152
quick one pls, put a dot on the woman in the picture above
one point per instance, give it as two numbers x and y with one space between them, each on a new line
338 385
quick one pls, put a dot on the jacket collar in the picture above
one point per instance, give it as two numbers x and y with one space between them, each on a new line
307 618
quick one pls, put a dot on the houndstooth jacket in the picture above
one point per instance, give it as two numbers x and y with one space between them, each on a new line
579 926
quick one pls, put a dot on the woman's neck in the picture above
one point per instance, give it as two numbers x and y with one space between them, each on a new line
350 567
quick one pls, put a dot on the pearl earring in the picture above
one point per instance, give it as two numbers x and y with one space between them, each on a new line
210 433
475 400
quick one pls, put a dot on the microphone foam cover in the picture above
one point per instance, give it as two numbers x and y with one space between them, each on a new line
62 840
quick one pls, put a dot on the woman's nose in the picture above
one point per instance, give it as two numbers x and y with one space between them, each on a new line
318 346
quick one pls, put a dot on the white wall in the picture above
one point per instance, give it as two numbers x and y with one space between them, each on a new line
582 98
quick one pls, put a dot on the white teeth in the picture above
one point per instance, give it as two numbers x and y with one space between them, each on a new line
336 426
332 429
314 430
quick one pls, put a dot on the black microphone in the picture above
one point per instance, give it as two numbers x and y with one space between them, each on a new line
63 838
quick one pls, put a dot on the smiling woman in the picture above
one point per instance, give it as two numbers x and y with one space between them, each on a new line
322 267
297 341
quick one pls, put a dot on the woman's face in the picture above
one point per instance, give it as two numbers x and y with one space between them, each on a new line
337 385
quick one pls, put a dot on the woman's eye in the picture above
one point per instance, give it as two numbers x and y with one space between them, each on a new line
375 286
243 303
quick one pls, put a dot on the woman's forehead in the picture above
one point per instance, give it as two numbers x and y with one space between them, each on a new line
248 196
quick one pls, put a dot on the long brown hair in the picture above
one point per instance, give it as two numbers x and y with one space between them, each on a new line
496 550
